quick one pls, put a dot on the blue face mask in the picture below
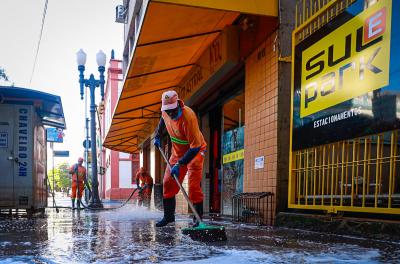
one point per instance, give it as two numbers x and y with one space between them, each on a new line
179 114
175 113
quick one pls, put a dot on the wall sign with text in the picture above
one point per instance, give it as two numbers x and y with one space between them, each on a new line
3 139
346 77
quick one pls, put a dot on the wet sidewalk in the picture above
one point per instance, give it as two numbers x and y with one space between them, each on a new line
129 235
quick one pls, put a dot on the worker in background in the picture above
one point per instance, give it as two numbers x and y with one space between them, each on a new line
188 147
78 178
145 184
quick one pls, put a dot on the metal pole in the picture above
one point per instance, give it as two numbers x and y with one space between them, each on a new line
52 157
87 154
95 200
86 145
100 150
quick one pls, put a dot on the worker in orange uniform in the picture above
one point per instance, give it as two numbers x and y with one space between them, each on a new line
188 147
145 183
78 178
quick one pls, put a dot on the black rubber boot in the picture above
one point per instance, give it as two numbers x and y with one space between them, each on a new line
78 202
199 209
73 203
169 212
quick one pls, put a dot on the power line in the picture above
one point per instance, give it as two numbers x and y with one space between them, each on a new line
40 39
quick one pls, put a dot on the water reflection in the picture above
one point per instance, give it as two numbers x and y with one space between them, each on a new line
129 235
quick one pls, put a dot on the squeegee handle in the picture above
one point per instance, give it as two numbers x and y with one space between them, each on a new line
181 187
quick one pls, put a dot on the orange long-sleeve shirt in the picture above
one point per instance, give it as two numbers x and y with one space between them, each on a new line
143 178
184 132
81 176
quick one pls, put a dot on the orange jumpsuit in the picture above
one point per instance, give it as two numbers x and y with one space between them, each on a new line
144 178
185 134
77 181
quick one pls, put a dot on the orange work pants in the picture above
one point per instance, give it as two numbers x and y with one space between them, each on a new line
195 172
79 186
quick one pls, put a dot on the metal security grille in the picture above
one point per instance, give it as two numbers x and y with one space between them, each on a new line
253 208
311 15
355 175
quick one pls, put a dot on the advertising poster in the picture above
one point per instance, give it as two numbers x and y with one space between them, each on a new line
54 135
233 163
347 77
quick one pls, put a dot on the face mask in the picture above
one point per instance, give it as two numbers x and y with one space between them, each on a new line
174 114
179 114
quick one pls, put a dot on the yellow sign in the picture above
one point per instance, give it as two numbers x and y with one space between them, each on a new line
234 156
349 62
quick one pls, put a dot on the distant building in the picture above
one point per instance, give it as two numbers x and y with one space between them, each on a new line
116 181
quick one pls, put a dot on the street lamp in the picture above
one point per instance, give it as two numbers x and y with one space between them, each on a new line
92 83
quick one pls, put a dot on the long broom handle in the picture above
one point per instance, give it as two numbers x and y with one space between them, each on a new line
181 187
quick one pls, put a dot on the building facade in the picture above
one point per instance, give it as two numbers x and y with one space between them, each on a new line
345 94
118 168
233 62
223 61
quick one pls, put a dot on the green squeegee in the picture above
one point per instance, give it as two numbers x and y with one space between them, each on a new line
202 232
206 233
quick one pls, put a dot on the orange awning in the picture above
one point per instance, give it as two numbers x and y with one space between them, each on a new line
254 7
171 40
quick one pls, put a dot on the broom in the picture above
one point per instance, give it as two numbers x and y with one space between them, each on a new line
202 232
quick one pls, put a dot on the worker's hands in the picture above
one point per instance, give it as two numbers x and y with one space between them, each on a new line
175 170
157 141
141 188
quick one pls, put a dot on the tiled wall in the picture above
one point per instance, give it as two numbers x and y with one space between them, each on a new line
181 204
261 94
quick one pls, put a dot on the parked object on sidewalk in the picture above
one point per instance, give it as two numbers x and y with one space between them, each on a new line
24 113
201 231
78 180
142 179
253 208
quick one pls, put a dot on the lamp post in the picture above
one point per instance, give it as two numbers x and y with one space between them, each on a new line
92 83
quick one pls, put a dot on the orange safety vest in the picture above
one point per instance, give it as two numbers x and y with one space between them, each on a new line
81 176
184 132
144 178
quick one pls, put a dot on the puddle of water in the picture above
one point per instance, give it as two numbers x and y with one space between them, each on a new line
252 256
129 235
130 213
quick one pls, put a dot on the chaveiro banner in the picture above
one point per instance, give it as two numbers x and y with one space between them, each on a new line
347 77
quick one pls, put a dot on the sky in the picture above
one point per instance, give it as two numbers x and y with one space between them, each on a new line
69 25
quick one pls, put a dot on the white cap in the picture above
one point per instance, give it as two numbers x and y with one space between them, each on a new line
169 100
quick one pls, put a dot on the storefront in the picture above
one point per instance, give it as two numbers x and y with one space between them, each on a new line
222 123
223 62
345 114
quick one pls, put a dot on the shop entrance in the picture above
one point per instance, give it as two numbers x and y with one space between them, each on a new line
232 151
226 146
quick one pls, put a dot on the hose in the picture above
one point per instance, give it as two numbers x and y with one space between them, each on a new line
54 200
113 208
87 207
